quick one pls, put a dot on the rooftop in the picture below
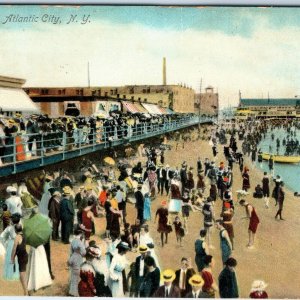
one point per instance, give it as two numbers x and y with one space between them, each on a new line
270 102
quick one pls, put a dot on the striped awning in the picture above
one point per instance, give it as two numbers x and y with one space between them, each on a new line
163 110
130 107
152 109
140 108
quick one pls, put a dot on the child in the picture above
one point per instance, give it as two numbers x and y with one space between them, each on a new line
5 216
179 231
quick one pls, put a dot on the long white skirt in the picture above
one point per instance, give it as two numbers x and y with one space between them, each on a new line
38 274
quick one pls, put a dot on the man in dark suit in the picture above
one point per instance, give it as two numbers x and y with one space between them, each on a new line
196 283
183 176
168 290
140 268
169 176
161 178
183 276
139 205
66 211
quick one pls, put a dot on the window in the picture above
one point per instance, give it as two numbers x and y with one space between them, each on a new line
101 106
44 91
105 94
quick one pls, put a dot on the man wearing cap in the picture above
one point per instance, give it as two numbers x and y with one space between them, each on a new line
196 283
54 214
140 268
183 276
161 178
66 215
168 290
14 203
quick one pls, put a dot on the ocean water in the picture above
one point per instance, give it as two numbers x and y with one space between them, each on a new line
290 173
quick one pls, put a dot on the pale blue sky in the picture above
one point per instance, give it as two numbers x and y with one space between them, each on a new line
255 50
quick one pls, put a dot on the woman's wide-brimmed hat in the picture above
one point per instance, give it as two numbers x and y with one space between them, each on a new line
196 280
168 275
123 245
258 285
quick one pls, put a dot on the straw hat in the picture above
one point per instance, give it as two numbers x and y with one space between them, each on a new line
196 280
67 190
143 248
258 285
89 187
168 275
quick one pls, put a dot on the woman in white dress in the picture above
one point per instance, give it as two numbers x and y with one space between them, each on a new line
7 238
146 239
43 205
38 271
118 265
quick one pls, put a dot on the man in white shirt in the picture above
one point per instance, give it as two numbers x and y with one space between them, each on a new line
13 202
183 276
140 268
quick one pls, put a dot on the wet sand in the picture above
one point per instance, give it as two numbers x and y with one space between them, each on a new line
274 258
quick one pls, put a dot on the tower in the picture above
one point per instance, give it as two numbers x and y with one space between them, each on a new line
164 71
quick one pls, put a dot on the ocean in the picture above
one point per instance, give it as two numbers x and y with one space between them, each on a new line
290 173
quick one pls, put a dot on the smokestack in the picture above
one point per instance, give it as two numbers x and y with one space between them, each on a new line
164 72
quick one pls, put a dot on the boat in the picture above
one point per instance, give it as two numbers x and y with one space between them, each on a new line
282 158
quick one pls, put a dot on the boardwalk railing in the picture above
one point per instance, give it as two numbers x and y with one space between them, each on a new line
30 151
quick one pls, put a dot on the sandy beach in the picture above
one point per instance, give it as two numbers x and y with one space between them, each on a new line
272 258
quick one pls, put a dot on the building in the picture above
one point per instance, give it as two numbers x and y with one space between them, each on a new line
268 108
13 99
88 100
207 103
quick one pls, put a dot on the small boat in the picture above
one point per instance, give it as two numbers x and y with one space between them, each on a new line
282 158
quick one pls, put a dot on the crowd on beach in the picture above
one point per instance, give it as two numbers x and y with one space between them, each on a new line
106 271
24 137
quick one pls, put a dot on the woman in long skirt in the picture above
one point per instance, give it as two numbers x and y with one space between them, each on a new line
7 237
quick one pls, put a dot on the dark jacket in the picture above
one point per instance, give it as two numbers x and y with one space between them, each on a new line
54 209
66 210
174 292
163 173
189 273
228 284
139 200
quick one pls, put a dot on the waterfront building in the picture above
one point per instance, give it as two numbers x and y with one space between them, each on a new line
207 103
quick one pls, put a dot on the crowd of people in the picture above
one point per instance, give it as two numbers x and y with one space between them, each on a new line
104 269
21 138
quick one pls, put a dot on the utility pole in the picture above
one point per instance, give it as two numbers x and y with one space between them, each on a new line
200 100
88 69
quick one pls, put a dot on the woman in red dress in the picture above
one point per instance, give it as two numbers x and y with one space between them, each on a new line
253 223
86 287
209 287
88 220
163 227
258 290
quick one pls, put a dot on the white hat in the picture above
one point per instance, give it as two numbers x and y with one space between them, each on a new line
258 285
11 189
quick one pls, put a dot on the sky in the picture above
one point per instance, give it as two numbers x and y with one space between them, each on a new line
249 49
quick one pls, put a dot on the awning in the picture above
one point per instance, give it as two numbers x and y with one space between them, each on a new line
130 107
163 110
152 109
140 108
16 100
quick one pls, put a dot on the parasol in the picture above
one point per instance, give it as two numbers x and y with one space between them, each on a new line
110 161
37 230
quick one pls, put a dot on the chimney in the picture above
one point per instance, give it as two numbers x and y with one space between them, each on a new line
164 72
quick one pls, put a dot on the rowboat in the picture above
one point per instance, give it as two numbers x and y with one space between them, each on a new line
282 158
